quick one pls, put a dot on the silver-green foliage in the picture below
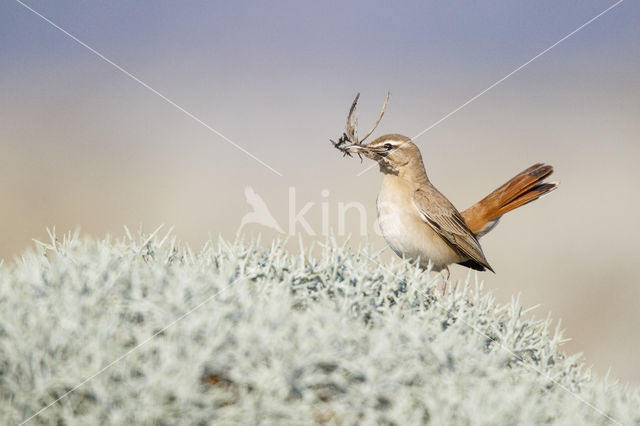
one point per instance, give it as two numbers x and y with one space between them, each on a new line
243 334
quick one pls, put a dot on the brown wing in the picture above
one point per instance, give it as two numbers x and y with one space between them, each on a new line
443 217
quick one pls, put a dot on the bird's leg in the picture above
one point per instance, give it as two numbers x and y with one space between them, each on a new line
446 274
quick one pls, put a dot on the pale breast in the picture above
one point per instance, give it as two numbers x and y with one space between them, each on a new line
406 233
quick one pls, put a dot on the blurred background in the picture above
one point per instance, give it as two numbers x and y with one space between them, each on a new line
82 144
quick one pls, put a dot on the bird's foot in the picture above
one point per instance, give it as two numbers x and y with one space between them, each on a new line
446 274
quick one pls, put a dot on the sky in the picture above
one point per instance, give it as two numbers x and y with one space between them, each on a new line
182 106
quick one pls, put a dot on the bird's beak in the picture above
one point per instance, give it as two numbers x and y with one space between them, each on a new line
357 149
364 151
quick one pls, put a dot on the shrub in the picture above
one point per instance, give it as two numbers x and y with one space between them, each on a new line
141 331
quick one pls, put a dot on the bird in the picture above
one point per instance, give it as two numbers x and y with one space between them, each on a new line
417 221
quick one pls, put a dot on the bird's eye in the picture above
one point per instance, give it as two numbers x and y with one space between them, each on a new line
388 146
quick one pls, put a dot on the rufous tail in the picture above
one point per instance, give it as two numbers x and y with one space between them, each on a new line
522 189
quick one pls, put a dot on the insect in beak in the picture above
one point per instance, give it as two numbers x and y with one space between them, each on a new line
349 143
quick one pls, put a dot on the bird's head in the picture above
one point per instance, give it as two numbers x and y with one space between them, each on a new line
394 153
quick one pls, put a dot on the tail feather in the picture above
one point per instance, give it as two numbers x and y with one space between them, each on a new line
522 189
530 195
